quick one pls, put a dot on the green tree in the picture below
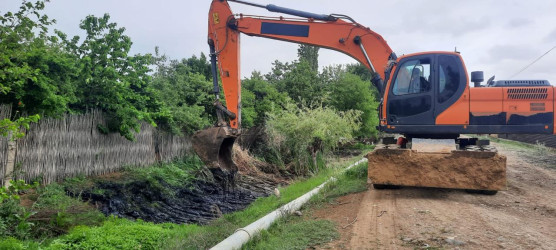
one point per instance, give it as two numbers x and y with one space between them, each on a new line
302 84
37 76
350 92
310 54
258 98
109 78
184 94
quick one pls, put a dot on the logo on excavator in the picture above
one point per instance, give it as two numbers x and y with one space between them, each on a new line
215 18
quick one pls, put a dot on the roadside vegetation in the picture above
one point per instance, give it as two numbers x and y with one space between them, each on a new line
536 153
49 218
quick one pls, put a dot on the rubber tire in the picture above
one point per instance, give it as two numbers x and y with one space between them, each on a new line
385 186
483 192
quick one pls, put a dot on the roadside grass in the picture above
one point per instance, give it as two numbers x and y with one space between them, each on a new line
536 153
537 146
294 232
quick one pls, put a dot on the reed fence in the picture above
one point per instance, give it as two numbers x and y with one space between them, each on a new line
54 149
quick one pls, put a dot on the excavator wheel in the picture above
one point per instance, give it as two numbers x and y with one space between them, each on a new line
385 186
484 192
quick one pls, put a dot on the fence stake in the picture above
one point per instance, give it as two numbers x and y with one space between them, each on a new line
11 161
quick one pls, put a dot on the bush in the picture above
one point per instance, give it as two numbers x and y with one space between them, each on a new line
14 218
301 133
15 244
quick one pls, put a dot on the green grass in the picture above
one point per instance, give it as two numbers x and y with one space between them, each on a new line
115 233
294 232
351 181
160 177
10 243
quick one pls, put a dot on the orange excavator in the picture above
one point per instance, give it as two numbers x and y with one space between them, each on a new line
423 95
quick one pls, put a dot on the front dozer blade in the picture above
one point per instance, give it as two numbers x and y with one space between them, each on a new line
214 147
485 171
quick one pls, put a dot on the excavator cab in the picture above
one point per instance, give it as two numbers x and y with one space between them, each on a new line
422 87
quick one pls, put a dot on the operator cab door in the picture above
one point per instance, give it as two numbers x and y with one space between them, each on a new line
411 95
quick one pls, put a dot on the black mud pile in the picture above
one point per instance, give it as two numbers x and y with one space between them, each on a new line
199 202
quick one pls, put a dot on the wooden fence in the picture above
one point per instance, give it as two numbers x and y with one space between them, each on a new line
54 149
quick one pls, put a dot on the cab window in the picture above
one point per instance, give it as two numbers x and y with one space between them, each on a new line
449 77
413 77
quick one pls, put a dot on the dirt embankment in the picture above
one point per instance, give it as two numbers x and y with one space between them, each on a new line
522 217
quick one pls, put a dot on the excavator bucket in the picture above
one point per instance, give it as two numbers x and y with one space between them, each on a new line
214 147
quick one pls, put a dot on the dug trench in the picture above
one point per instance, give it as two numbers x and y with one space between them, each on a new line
200 201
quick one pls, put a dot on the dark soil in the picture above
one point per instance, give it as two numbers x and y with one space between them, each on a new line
199 202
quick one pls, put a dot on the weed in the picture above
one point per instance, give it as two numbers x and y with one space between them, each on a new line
15 244
76 185
115 233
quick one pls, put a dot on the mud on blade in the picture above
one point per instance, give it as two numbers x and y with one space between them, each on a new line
214 147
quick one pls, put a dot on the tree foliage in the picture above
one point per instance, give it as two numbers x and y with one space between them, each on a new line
108 77
259 97
350 92
309 54
183 90
53 75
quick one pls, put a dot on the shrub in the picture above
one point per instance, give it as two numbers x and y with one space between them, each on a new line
301 133
14 218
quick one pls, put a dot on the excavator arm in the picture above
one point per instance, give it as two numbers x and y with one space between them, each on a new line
336 32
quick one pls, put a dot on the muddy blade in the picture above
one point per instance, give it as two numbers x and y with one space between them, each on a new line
214 147
455 169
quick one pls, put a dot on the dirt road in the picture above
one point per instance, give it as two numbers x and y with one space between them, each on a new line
523 217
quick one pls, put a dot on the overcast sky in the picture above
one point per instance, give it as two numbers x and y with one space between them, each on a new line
498 37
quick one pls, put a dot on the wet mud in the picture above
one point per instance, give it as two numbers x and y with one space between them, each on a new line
199 202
